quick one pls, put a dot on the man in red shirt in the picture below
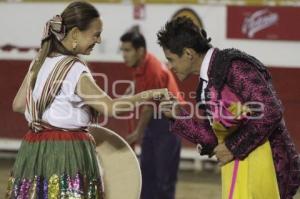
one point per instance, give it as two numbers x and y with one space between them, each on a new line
160 149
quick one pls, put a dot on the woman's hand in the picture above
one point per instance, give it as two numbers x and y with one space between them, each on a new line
157 94
170 107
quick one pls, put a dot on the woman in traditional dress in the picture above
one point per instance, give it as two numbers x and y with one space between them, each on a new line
60 99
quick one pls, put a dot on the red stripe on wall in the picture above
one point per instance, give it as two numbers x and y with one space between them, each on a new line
13 125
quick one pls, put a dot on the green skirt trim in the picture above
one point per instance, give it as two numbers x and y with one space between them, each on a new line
56 164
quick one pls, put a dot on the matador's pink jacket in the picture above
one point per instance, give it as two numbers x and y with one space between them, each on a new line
236 76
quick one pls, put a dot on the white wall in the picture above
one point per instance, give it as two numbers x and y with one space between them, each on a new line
21 24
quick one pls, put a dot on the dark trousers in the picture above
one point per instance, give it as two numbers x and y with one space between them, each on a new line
160 155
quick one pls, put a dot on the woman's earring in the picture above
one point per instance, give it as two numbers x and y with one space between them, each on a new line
74 45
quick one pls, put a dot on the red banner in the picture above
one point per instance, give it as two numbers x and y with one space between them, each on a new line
271 23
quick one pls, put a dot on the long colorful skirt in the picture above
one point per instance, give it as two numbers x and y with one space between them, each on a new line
54 165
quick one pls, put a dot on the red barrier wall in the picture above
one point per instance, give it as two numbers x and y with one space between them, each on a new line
13 125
